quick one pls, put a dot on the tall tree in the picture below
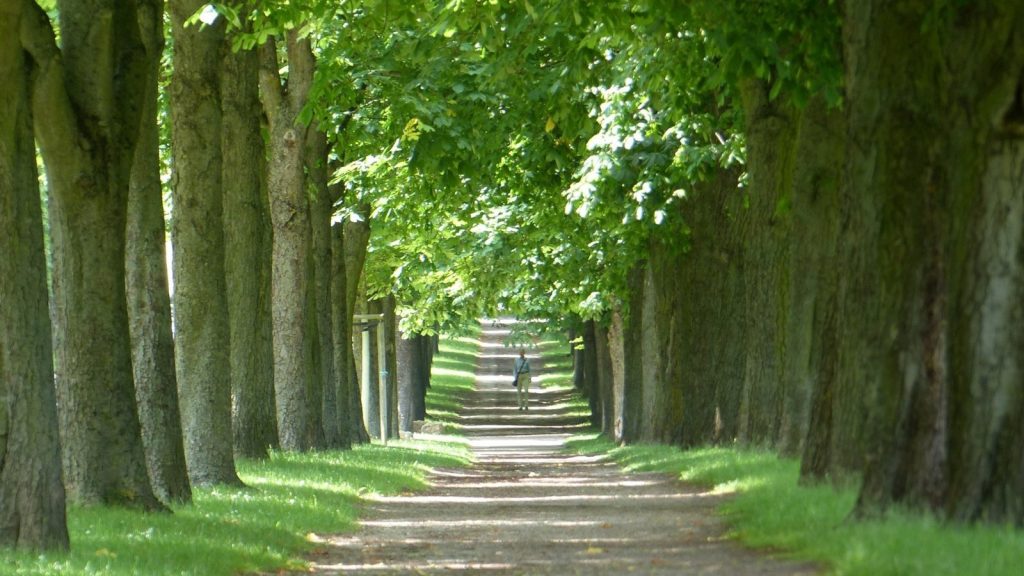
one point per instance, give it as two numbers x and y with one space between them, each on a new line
321 207
356 234
91 93
247 249
283 101
200 286
31 493
940 248
341 324
149 303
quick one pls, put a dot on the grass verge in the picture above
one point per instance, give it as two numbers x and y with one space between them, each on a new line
265 526
771 510
452 377
270 524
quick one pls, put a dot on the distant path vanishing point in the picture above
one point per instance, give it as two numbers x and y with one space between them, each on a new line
528 507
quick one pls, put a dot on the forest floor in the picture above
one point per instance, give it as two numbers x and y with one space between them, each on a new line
526 506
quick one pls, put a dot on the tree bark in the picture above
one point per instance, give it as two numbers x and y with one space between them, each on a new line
149 301
247 249
92 102
202 327
811 283
357 238
770 133
409 379
321 209
590 372
289 213
617 358
341 324
391 362
711 312
426 359
944 245
32 515
632 384
605 382
662 393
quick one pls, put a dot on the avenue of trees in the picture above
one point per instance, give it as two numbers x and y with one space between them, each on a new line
790 224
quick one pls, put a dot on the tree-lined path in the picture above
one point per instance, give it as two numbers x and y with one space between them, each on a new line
528 507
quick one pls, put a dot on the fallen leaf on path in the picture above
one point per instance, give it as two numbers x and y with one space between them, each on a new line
606 525
595 550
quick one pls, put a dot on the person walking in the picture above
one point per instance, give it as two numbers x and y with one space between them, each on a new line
522 377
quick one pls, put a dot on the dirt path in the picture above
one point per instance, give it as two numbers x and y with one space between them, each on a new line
527 507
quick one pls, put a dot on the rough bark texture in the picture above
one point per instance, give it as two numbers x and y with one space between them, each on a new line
945 248
426 360
202 329
409 379
711 312
314 361
769 131
341 324
814 267
31 494
289 214
247 251
605 382
662 394
149 301
632 377
321 206
391 362
590 371
617 357
92 102
357 238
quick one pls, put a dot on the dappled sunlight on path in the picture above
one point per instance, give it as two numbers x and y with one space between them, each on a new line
528 507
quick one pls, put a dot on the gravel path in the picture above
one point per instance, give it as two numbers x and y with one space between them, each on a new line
527 507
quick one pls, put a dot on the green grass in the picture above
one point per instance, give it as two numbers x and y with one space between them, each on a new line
269 524
557 375
771 510
262 527
452 377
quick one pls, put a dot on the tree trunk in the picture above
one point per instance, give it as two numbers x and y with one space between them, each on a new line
391 358
770 133
202 329
247 249
32 513
590 372
409 379
945 247
605 382
617 357
341 324
425 360
711 313
91 102
289 213
662 393
149 302
357 237
321 208
632 385
815 218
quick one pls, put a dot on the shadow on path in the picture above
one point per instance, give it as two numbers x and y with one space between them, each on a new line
528 507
